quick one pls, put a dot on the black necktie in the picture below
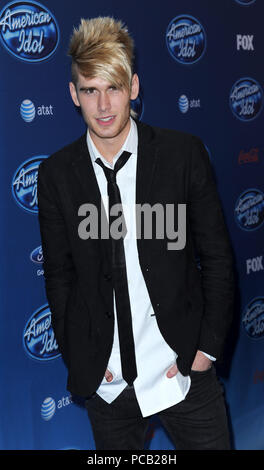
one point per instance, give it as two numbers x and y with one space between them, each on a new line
124 318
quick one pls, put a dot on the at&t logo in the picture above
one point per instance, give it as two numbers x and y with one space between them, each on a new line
246 99
28 110
185 39
48 407
38 337
24 184
249 209
29 31
185 103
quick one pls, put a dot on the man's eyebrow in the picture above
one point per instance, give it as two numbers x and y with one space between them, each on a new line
85 88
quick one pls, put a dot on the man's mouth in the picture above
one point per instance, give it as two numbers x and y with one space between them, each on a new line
105 120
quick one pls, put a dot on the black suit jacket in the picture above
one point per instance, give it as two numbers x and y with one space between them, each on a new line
193 305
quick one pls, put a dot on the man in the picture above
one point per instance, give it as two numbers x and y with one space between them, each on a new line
137 322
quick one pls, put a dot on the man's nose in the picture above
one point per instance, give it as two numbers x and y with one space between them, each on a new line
104 103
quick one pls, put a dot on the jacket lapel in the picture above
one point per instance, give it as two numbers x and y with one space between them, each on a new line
83 169
146 162
146 165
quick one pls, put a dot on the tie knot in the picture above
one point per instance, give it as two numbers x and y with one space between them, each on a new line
111 174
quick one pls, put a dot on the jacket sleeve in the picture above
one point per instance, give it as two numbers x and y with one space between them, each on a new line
58 266
212 245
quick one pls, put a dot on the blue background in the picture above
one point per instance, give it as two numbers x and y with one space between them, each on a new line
25 381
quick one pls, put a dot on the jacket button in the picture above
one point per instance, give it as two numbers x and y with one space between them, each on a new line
108 314
107 277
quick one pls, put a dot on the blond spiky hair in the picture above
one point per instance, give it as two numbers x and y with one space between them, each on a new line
102 47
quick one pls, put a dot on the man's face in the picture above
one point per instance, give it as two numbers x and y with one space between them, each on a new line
105 108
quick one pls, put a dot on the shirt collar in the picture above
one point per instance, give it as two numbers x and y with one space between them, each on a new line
130 145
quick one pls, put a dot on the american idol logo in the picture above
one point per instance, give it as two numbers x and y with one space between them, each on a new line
24 184
48 408
29 31
246 99
245 2
27 111
38 337
186 39
249 209
253 318
36 255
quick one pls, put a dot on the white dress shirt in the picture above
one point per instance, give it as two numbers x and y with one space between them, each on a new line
154 357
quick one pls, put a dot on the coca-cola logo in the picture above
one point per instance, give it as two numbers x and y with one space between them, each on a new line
252 156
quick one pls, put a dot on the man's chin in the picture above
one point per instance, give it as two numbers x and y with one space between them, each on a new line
105 135
108 133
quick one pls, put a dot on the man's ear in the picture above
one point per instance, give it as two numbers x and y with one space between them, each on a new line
134 87
73 93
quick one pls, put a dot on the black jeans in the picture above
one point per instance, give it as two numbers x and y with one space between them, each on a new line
197 423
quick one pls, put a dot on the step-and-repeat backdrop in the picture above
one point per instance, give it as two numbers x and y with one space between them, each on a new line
200 64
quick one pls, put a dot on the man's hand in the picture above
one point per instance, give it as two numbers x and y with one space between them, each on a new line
200 363
108 376
172 371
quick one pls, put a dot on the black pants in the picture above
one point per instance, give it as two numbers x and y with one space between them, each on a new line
197 423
